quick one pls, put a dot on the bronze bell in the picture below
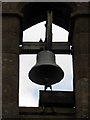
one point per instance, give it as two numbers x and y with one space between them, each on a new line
46 71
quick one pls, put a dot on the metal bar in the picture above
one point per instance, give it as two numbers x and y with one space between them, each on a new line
35 47
49 30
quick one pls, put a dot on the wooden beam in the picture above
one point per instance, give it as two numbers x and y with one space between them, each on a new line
35 47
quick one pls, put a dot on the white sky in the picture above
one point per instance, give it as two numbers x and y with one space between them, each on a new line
29 91
38 31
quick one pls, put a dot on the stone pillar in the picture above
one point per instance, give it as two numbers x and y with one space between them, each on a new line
10 64
80 43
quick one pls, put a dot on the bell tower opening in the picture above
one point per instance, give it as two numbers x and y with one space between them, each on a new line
29 91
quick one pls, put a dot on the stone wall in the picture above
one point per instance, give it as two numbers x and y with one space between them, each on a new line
11 35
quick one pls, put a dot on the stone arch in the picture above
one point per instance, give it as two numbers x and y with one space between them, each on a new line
34 13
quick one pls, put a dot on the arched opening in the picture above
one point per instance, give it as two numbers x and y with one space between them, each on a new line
29 91
61 22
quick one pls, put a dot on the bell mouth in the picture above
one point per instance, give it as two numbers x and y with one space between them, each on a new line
46 74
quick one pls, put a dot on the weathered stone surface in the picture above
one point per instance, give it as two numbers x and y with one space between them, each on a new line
81 71
9 6
10 42
10 69
11 23
80 43
82 24
10 34
81 94
10 84
81 66
10 110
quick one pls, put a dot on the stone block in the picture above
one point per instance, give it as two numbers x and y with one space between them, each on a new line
81 43
82 24
10 42
80 66
10 23
10 111
10 76
81 95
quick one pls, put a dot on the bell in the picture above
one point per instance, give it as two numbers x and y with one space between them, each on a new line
46 71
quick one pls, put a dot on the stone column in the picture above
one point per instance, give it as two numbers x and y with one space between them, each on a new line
80 43
10 64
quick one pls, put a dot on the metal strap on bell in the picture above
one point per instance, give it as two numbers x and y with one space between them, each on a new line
46 71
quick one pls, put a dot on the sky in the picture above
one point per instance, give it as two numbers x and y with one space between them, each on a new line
29 91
